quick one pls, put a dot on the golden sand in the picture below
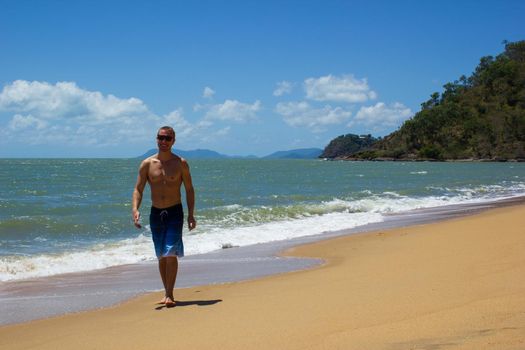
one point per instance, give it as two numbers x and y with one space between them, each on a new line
458 284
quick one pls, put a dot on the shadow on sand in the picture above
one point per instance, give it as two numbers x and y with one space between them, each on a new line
179 303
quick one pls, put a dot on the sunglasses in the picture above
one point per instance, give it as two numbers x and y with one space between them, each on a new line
164 138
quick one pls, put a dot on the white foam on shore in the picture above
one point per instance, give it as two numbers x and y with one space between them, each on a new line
215 238
334 215
99 256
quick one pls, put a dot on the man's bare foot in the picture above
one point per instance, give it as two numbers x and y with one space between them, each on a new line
162 301
169 302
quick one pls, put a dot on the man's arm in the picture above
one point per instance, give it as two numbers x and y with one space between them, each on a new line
137 192
190 194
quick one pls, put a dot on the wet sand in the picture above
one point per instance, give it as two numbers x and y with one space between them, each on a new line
456 284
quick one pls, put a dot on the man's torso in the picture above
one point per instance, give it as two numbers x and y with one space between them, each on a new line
165 179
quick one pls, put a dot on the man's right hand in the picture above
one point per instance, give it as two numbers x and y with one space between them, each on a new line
136 219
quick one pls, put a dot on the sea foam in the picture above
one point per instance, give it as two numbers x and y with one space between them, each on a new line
238 225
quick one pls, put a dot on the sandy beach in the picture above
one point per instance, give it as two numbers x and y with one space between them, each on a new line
456 284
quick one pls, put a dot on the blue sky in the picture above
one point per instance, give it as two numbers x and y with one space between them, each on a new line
97 78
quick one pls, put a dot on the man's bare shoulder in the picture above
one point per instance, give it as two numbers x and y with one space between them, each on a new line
151 159
146 163
178 158
184 163
182 160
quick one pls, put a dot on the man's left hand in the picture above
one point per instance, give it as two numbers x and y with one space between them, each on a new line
191 223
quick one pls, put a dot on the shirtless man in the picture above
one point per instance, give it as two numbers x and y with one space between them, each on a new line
166 172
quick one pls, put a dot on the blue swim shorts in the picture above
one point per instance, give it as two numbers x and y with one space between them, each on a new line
166 230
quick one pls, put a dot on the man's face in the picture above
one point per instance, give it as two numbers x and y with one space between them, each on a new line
165 140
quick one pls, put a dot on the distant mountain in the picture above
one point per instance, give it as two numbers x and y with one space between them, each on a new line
302 153
193 154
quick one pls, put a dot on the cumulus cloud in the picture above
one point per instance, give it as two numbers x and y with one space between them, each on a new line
338 89
65 99
176 120
223 131
198 107
283 88
233 110
65 113
20 122
302 114
208 92
382 116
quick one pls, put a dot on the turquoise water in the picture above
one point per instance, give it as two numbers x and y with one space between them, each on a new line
63 215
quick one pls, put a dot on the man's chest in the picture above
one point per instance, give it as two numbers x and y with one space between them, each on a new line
165 172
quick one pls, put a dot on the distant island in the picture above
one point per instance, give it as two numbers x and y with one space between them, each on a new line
481 117
193 154
301 153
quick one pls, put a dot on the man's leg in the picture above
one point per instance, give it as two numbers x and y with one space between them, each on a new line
172 267
162 270
172 246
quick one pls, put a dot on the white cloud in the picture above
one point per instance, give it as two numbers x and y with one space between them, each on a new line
339 89
198 107
65 99
204 123
283 87
233 110
66 114
223 131
381 116
175 119
208 92
21 123
301 114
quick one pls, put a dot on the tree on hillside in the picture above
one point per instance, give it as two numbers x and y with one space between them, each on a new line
481 116
347 144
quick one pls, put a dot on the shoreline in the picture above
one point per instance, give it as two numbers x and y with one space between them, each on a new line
459 160
77 292
448 284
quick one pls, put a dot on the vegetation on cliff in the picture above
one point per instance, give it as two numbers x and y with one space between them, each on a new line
347 145
476 117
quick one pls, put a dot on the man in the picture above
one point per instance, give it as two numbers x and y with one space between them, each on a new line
166 172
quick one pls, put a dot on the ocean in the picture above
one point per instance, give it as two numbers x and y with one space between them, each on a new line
72 215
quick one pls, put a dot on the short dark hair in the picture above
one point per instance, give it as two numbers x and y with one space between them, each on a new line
168 128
